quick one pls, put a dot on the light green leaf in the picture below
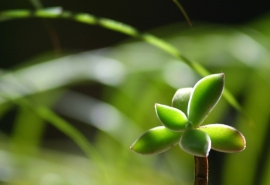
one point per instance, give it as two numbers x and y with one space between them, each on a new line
181 98
49 12
206 93
172 118
156 140
195 142
225 138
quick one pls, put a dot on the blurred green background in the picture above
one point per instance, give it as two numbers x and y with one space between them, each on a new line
63 82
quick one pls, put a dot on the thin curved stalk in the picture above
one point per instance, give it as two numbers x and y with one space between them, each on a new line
183 12
57 12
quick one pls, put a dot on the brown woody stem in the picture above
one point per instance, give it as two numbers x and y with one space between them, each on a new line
201 170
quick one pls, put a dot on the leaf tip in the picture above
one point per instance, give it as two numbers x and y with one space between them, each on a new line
225 138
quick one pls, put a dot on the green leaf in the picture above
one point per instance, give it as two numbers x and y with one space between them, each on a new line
156 140
171 118
225 138
195 142
206 93
181 98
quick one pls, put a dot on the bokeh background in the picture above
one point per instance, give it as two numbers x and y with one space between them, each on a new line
104 85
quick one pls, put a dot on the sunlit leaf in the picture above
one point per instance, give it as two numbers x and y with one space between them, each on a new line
195 142
205 95
171 118
156 140
225 138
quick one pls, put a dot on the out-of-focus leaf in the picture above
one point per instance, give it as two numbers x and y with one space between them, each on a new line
156 140
225 138
27 132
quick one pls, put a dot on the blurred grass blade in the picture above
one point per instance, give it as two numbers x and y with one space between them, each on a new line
48 115
116 26
255 96
91 111
28 131
49 12
233 102
106 23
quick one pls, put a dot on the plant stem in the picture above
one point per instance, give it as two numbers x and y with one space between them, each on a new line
201 170
183 12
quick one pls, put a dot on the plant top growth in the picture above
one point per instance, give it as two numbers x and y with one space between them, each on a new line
182 125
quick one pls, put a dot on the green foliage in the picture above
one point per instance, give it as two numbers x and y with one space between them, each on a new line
172 118
156 140
203 98
181 98
138 76
195 142
224 138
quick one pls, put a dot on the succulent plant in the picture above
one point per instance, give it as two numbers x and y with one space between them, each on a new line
181 123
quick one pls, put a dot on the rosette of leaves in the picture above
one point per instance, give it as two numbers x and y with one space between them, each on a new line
181 123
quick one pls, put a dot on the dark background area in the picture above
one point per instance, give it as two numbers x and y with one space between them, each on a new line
28 38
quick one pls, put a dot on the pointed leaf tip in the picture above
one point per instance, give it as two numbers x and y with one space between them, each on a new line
206 93
225 138
195 142
172 118
156 140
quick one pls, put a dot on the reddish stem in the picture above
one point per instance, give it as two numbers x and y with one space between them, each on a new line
201 170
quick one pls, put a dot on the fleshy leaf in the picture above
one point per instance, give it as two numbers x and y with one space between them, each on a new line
156 140
206 93
181 98
172 118
225 138
195 142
